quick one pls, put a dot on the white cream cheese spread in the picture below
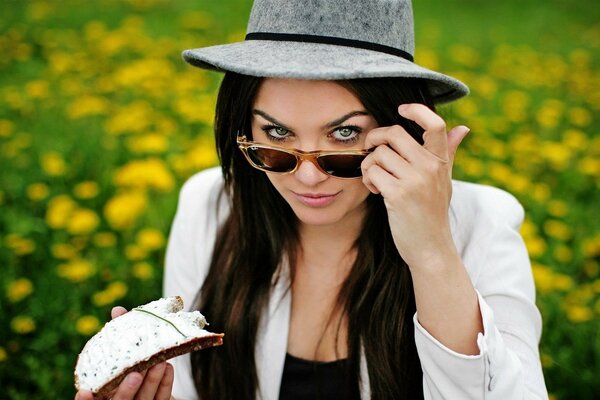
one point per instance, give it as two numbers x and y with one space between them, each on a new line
134 337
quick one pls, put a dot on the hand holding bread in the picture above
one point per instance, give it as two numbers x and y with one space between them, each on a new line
126 359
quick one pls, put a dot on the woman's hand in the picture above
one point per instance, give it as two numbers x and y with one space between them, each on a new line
415 182
154 383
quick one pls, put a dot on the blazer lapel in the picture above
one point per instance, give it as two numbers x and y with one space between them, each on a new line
272 338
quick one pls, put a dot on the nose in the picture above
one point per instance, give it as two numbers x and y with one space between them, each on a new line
309 174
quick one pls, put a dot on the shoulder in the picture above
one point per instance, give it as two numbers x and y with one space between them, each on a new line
202 189
476 203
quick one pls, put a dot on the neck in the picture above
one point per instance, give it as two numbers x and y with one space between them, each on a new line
330 247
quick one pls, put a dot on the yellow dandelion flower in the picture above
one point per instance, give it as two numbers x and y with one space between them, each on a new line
133 118
154 143
19 289
113 292
429 59
19 245
150 239
591 246
557 229
557 208
87 325
37 89
117 289
515 105
39 10
547 360
142 270
102 298
6 128
466 107
87 105
541 192
528 229
105 239
77 270
472 166
535 246
94 30
544 278
123 210
134 252
563 282
464 55
149 173
550 113
37 191
194 109
59 211
580 116
562 254
3 354
63 251
22 324
86 190
485 87
53 164
82 221
589 166
575 139
577 313
201 155
558 154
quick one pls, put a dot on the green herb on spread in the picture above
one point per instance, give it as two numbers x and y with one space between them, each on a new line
159 317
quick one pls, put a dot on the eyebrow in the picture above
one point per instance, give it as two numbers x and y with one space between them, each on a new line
331 124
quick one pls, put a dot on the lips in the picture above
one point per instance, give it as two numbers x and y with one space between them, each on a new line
316 199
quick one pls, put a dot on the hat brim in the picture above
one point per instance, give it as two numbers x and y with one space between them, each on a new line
301 60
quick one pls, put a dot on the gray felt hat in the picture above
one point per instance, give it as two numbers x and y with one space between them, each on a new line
327 39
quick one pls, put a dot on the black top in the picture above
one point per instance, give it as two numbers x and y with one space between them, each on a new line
304 379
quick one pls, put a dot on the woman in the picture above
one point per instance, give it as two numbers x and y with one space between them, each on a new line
332 247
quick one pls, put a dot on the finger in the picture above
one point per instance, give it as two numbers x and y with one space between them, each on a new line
381 180
166 384
117 312
455 137
398 139
129 387
434 137
84 395
151 382
388 159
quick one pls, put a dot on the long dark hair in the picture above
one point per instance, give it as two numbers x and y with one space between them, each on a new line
377 295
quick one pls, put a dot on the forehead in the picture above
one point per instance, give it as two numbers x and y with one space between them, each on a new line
289 99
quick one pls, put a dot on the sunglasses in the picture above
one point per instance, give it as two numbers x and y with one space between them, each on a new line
340 164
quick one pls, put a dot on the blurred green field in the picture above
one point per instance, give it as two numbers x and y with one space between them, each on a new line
101 123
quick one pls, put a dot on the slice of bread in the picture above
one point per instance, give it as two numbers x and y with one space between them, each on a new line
137 340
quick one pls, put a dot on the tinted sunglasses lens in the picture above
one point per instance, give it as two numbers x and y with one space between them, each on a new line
272 160
342 165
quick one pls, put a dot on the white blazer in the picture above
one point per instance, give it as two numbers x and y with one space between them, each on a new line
484 223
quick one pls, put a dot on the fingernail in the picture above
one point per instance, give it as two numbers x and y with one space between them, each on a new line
402 107
133 379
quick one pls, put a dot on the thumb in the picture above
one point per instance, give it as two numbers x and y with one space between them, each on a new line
455 137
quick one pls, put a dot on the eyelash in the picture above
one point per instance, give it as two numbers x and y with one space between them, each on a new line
354 139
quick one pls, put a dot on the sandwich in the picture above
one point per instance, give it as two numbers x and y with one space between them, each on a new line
143 337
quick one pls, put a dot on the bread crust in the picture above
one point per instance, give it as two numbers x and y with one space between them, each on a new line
199 343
